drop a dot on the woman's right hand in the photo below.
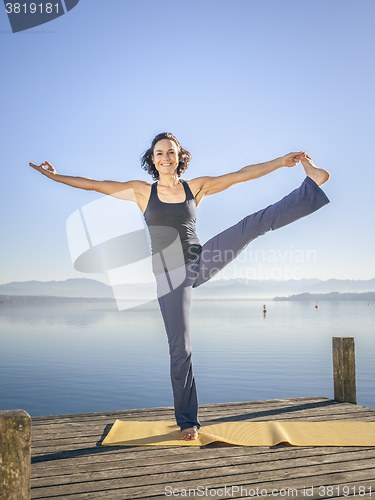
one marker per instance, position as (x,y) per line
(44,168)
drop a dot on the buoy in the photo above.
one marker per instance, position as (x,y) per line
(316,306)
(264,309)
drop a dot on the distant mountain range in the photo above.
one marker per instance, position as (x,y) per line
(47,299)
(234,288)
(76,287)
(259,289)
(365,296)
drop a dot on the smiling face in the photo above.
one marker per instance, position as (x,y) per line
(165,156)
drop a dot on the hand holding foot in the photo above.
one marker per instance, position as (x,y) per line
(291,159)
(190,433)
(318,175)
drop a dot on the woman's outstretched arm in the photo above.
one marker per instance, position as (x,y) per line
(131,190)
(204,186)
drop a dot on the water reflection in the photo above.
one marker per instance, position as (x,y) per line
(73,358)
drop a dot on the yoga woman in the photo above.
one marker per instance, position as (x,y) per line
(179,262)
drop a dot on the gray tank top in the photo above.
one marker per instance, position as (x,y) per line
(172,228)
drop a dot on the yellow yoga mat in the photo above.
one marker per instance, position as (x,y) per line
(166,433)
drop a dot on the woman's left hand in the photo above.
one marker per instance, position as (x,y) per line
(291,159)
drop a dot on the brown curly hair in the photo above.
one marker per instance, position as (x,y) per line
(183,155)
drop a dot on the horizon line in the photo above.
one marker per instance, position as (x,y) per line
(210,281)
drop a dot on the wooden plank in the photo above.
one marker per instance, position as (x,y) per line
(223,410)
(151,456)
(209,469)
(209,466)
(144,412)
(250,412)
(210,456)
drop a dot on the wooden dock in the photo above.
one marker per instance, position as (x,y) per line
(68,461)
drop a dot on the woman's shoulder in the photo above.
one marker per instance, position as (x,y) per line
(139,183)
(196,184)
(142,187)
(141,192)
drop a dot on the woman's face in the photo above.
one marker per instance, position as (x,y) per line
(165,156)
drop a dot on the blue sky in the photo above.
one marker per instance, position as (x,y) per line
(237,81)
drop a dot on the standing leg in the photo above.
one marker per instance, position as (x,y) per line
(224,247)
(175,309)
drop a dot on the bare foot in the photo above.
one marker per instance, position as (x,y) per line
(190,433)
(318,175)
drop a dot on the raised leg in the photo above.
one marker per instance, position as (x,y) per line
(224,247)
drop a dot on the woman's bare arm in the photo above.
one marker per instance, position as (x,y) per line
(137,191)
(204,186)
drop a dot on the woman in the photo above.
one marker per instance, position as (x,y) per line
(180,263)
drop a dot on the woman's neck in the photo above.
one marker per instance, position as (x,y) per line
(168,180)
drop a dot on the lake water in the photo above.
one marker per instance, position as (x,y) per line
(78,358)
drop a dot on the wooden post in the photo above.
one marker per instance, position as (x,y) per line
(15,455)
(343,351)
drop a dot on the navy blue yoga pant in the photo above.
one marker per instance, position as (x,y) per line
(215,255)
